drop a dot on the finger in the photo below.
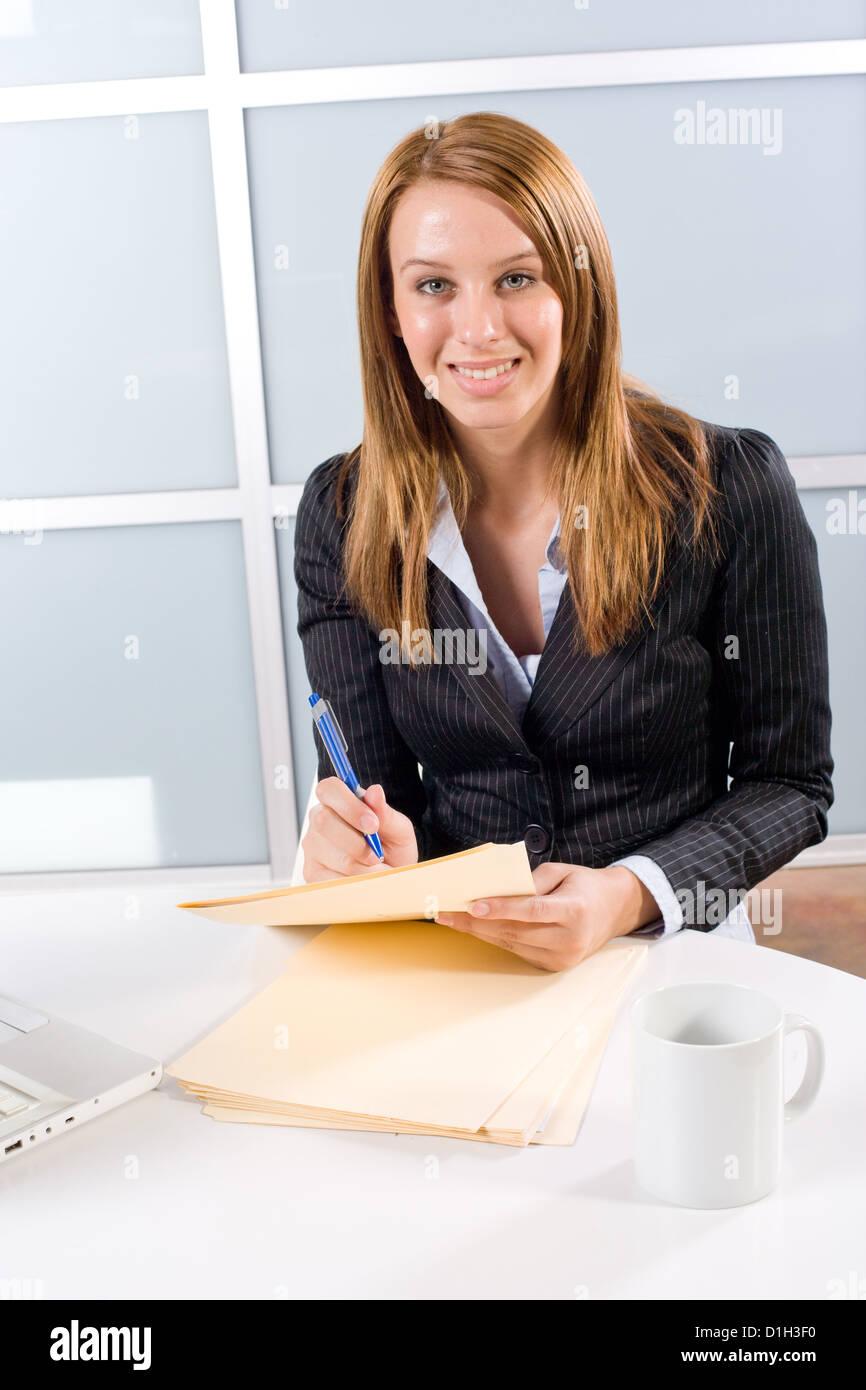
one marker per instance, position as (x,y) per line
(529,909)
(506,932)
(542,960)
(539,956)
(510,942)
(320,866)
(550,875)
(316,869)
(338,848)
(335,795)
(315,872)
(331,826)
(395,828)
(544,957)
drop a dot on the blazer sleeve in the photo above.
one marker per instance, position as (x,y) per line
(341,653)
(772,684)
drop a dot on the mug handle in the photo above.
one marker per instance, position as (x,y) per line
(812,1076)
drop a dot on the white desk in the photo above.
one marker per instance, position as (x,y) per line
(260,1212)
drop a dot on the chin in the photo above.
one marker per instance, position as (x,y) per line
(484,415)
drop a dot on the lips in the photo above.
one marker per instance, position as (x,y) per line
(482,384)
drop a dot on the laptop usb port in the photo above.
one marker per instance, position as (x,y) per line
(10,1147)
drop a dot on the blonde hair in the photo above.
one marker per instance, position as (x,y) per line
(622,458)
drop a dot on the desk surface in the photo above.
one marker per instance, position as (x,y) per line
(156,1200)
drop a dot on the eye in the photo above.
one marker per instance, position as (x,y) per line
(429,286)
(518,275)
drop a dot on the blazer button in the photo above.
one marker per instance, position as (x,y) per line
(536,839)
(527,764)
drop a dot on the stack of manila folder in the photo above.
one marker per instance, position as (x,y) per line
(391,1021)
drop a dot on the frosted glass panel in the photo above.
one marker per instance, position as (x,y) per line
(127,705)
(307,291)
(278,34)
(833,514)
(92,40)
(304,753)
(112,356)
(741,274)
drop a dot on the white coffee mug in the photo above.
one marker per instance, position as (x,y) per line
(708,1091)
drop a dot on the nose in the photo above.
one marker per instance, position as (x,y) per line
(478,316)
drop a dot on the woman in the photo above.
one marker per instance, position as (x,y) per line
(566,600)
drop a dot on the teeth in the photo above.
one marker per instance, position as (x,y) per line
(480,375)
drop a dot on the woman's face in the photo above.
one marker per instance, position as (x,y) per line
(470,292)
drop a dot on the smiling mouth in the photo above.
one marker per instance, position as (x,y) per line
(484,373)
(483,383)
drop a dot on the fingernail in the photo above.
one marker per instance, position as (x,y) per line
(444,917)
(479,909)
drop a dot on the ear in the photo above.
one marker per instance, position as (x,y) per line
(393,321)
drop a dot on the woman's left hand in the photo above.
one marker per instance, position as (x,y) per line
(574,912)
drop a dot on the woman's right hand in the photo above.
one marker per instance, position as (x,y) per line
(334,845)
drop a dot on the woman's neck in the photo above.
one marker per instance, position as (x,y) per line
(510,468)
(513,500)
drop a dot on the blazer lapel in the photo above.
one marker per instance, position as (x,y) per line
(447,612)
(566,683)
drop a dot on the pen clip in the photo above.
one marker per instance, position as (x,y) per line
(336,723)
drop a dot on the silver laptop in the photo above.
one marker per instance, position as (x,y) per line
(55,1076)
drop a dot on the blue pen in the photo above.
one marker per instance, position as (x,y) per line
(336,748)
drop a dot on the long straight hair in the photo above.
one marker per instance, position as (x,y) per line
(622,460)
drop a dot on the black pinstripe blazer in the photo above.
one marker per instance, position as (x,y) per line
(651,721)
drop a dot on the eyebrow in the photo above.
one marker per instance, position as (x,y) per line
(527,253)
